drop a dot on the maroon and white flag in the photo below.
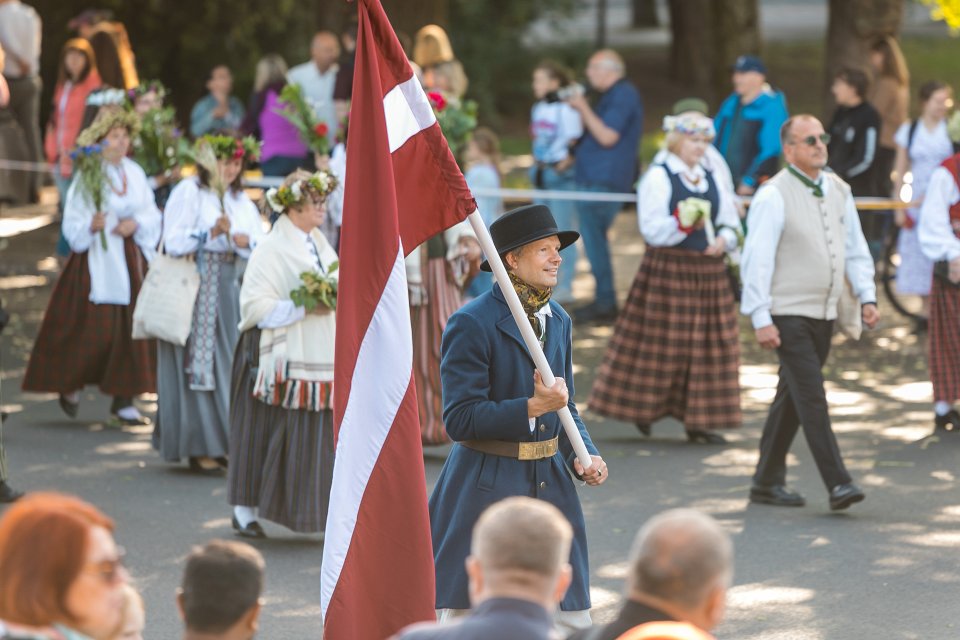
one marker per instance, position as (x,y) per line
(402,187)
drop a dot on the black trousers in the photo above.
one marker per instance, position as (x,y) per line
(800,400)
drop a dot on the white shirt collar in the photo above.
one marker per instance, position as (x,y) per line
(676,165)
(543,312)
(818,180)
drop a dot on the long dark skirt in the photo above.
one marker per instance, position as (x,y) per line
(945,341)
(197,423)
(675,350)
(83,343)
(281,460)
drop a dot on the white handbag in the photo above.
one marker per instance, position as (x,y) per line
(164,308)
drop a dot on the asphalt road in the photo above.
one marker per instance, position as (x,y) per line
(886,569)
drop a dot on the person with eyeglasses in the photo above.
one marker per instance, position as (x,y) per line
(806,268)
(63,573)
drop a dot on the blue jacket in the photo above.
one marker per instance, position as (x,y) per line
(748,135)
(487,377)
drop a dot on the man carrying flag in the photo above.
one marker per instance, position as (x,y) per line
(509,439)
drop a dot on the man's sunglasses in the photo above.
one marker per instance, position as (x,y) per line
(812,140)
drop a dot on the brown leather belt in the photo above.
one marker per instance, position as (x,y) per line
(515,450)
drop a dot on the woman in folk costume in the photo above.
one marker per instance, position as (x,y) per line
(193,381)
(86,333)
(675,350)
(281,417)
(939,235)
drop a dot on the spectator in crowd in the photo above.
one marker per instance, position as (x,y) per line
(318,78)
(606,160)
(680,567)
(748,125)
(555,128)
(890,96)
(518,570)
(85,336)
(854,136)
(922,145)
(675,350)
(482,159)
(20,39)
(113,84)
(804,243)
(441,71)
(219,597)
(193,381)
(13,184)
(854,132)
(343,88)
(939,236)
(283,151)
(63,574)
(218,111)
(76,80)
(133,619)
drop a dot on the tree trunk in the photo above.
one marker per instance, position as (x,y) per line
(853,24)
(708,35)
(644,14)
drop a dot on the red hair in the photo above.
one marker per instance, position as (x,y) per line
(43,547)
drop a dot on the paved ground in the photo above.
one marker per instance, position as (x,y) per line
(885,569)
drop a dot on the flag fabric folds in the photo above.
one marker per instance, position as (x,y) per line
(403,186)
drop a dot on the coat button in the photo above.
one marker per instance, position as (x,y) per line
(543,428)
(543,485)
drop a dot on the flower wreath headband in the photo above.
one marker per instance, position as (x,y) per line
(319,185)
(146,87)
(108,118)
(690,124)
(230,148)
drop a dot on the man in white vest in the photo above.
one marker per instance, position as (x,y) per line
(804,261)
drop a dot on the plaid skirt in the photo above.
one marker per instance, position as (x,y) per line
(83,343)
(945,341)
(429,321)
(675,350)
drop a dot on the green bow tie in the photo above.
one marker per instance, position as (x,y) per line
(816,187)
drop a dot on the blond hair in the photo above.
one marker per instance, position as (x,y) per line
(431,46)
(271,68)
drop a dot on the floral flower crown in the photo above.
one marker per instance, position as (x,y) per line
(109,117)
(146,87)
(230,148)
(690,124)
(319,185)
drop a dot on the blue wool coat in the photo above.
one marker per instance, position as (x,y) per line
(487,377)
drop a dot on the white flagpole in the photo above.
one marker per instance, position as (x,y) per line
(533,344)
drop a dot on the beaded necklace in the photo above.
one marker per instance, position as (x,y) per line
(123,181)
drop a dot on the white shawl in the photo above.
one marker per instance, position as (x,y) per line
(296,360)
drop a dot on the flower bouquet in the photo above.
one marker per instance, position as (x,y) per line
(317,289)
(691,211)
(92,178)
(160,147)
(457,119)
(298,112)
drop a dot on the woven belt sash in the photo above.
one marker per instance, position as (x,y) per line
(516,450)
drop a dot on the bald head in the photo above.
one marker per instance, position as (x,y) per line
(604,69)
(324,49)
(681,557)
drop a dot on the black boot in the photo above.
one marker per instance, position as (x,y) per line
(706,437)
(948,422)
(9,494)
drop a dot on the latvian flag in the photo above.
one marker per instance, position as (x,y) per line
(403,186)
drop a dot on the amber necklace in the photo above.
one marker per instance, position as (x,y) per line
(123,181)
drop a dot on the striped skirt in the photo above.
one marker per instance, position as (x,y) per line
(945,341)
(281,460)
(83,343)
(429,321)
(675,350)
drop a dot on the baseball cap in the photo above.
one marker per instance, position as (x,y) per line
(691,104)
(749,63)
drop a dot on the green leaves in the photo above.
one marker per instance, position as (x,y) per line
(317,289)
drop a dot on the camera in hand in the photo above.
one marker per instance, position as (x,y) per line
(564,93)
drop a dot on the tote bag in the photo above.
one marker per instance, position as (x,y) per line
(165,304)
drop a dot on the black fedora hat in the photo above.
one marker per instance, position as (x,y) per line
(523,226)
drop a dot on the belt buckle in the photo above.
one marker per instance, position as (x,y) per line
(536,450)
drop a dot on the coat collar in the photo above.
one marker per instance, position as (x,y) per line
(507,325)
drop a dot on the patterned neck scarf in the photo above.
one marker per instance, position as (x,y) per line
(816,187)
(532,299)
